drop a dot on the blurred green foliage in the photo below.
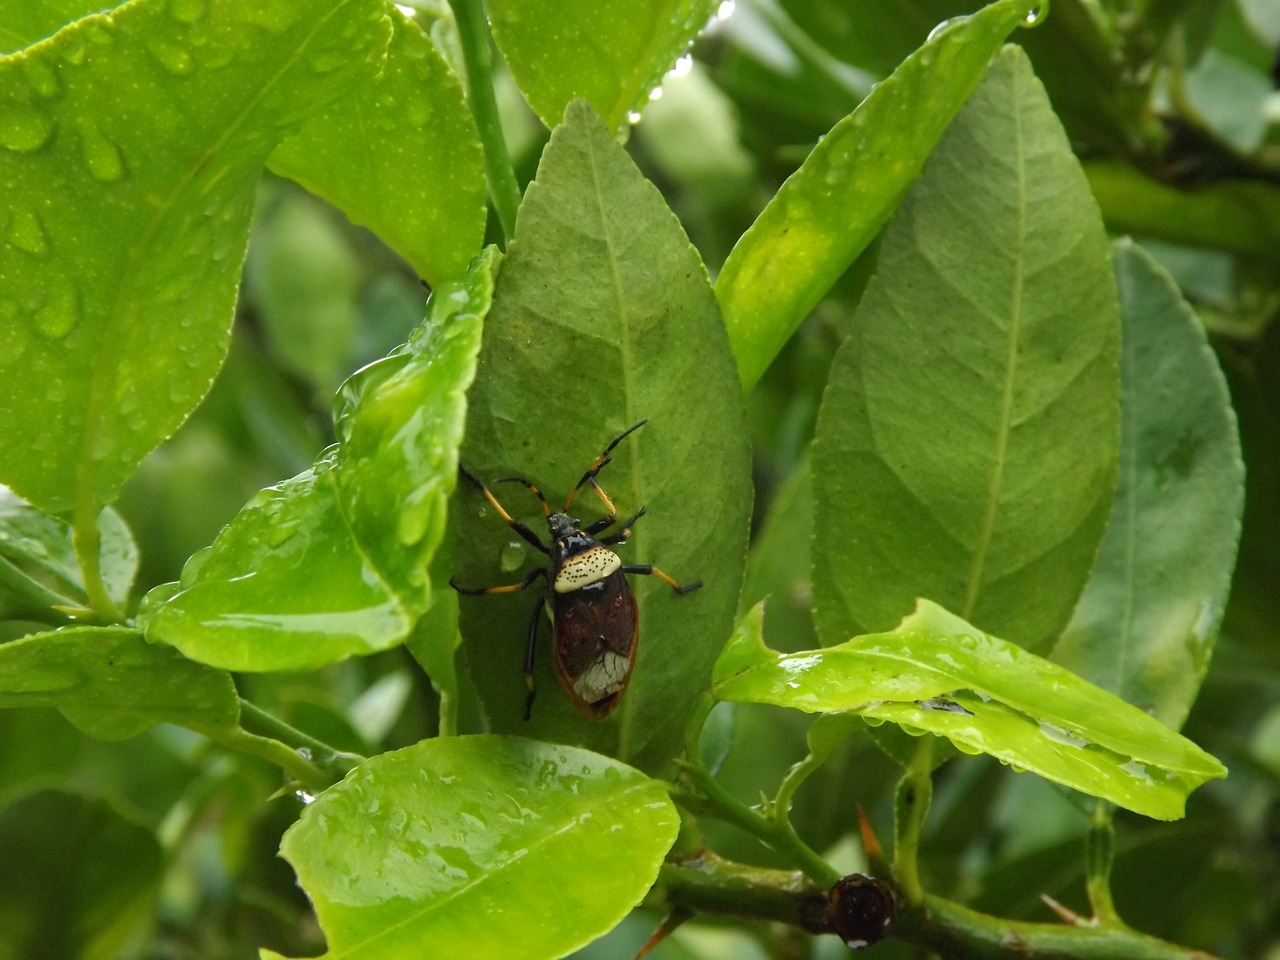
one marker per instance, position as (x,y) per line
(1171,107)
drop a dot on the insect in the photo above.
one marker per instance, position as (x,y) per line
(595,623)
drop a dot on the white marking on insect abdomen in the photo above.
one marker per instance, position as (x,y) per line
(590,566)
(607,675)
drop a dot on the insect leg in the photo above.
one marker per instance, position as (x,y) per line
(530,646)
(621,535)
(646,570)
(510,521)
(546,507)
(590,476)
(531,576)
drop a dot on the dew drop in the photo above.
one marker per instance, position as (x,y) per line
(41,77)
(633,117)
(655,93)
(187,11)
(13,336)
(60,312)
(512,556)
(943,27)
(27,233)
(173,57)
(23,129)
(73,48)
(1035,15)
(101,156)
(327,61)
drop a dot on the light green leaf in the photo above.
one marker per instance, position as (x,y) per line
(936,673)
(604,316)
(1145,626)
(334,561)
(38,565)
(130,143)
(479,846)
(966,447)
(401,156)
(609,52)
(112,684)
(834,205)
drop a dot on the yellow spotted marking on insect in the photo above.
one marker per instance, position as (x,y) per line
(607,675)
(590,566)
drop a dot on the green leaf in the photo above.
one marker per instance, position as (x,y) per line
(937,673)
(401,156)
(38,565)
(604,316)
(966,447)
(79,879)
(1145,626)
(610,53)
(112,684)
(834,205)
(479,846)
(333,562)
(115,323)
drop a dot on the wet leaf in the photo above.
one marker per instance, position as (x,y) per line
(935,673)
(834,205)
(38,565)
(400,155)
(966,447)
(112,684)
(609,53)
(112,326)
(333,562)
(603,316)
(479,846)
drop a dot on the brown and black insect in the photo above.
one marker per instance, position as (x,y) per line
(595,623)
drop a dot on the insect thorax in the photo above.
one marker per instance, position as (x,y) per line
(582,569)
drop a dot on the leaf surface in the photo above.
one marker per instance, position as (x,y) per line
(609,52)
(333,562)
(603,316)
(401,156)
(158,118)
(967,442)
(479,846)
(1145,626)
(834,205)
(112,684)
(938,674)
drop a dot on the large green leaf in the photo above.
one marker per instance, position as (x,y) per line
(401,156)
(609,52)
(966,446)
(130,143)
(479,846)
(937,673)
(38,565)
(333,562)
(112,684)
(831,208)
(603,316)
(1145,625)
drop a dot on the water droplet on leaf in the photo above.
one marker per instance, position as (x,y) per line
(101,156)
(60,312)
(23,129)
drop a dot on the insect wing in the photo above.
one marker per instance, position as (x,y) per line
(594,647)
